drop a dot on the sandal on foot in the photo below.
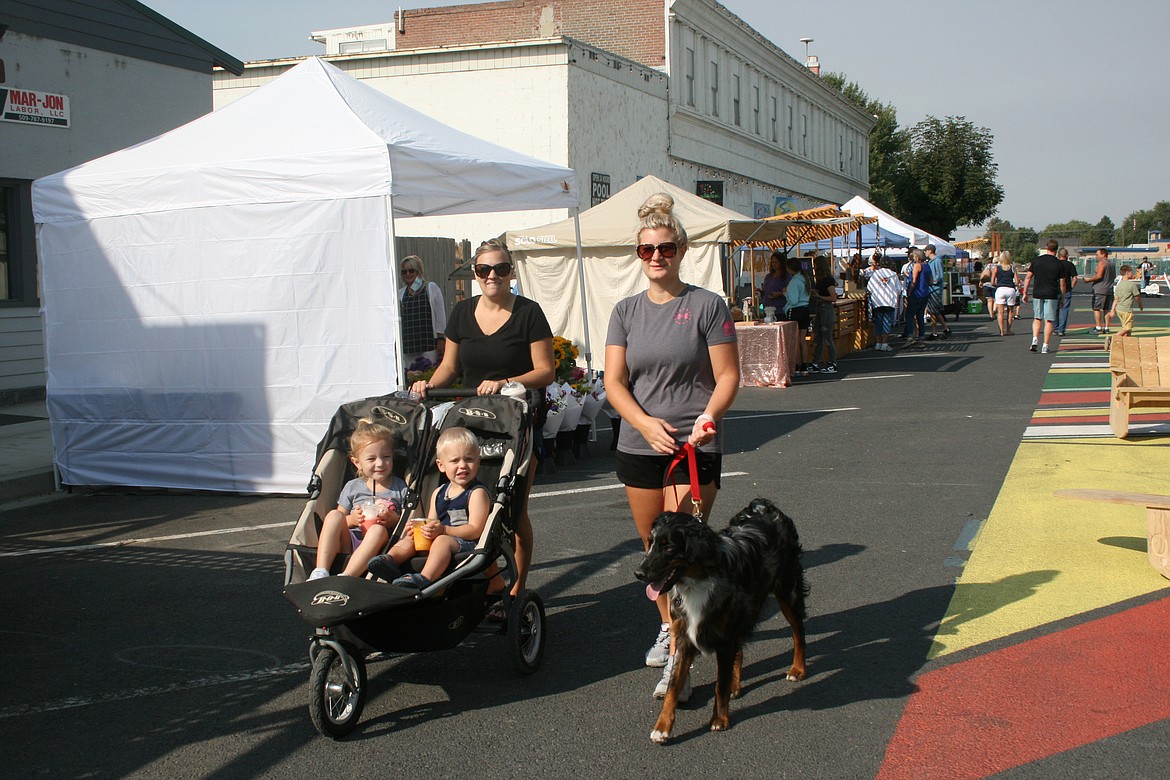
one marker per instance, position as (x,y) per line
(412,580)
(384,568)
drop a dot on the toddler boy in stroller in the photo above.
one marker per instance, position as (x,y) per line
(458,511)
(366,504)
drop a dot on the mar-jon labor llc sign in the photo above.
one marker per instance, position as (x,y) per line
(32,107)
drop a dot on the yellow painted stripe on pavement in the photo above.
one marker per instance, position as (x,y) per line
(1040,559)
(1096,411)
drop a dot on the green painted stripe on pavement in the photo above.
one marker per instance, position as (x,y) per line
(1077,380)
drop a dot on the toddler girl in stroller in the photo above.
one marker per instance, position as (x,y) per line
(366,504)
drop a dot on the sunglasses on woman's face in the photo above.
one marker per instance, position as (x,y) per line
(667,250)
(406,271)
(483,270)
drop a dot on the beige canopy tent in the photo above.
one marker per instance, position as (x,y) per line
(578,293)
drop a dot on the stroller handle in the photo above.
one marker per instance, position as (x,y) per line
(447,393)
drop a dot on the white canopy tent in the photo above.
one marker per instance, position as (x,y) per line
(213,294)
(916,236)
(578,295)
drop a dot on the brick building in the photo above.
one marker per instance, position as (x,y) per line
(681,89)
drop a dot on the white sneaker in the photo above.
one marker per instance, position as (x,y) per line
(659,652)
(317,574)
(664,684)
(1044,350)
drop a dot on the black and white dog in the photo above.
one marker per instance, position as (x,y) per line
(720,581)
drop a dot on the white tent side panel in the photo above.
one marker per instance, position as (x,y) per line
(202,348)
(611,274)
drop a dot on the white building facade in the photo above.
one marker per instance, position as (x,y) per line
(686,91)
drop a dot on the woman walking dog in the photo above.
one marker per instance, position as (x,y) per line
(671,372)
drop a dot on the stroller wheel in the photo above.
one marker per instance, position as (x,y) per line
(526,632)
(336,696)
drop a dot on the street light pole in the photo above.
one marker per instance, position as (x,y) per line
(806,42)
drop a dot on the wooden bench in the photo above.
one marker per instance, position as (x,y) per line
(1157,519)
(1140,369)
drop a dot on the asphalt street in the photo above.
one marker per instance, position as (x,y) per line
(146,634)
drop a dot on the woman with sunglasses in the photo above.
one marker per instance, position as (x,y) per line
(671,372)
(424,314)
(496,338)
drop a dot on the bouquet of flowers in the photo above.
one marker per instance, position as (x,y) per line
(557,404)
(573,405)
(592,390)
(565,356)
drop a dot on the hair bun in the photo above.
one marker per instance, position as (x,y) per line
(658,203)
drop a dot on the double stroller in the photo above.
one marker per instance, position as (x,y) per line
(355,617)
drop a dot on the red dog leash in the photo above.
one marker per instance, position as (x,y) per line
(687,453)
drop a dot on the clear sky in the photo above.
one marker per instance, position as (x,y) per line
(1072,90)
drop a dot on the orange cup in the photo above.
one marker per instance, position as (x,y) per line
(420,542)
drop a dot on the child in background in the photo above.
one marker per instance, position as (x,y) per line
(347,528)
(458,513)
(1124,295)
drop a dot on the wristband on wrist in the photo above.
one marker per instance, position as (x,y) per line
(706,417)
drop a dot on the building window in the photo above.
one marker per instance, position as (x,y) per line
(790,116)
(841,153)
(756,110)
(804,134)
(357,47)
(735,100)
(775,120)
(715,89)
(689,65)
(17,252)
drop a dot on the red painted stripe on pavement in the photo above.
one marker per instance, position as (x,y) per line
(1083,398)
(1036,699)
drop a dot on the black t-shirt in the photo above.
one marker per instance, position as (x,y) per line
(504,354)
(824,285)
(1046,274)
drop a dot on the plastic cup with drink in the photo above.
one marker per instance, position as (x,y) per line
(420,542)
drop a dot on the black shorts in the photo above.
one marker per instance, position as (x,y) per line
(800,316)
(649,471)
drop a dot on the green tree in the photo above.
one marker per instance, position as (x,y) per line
(1135,228)
(1076,229)
(1020,241)
(888,144)
(1100,235)
(951,164)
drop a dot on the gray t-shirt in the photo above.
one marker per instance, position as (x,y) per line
(666,354)
(357,489)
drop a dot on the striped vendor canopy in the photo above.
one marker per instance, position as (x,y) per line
(816,224)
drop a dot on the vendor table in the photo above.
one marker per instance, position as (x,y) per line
(767,353)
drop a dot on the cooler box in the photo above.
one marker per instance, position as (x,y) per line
(974,306)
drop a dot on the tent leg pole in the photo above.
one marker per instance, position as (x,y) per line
(399,375)
(581,285)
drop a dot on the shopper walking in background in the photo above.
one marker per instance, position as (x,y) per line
(423,313)
(884,291)
(1047,285)
(826,316)
(1007,283)
(1124,297)
(1102,285)
(917,295)
(934,305)
(1069,274)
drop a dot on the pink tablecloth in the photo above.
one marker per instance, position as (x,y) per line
(767,354)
